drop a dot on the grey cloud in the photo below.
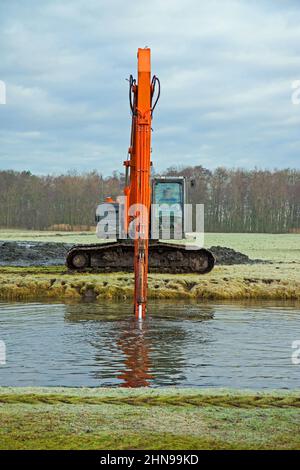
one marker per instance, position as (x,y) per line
(226,69)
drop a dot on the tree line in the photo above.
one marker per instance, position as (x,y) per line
(235,200)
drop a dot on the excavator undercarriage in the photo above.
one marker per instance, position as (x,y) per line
(118,256)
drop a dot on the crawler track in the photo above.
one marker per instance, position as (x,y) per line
(118,256)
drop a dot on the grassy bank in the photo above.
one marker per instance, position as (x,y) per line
(269,282)
(277,280)
(55,418)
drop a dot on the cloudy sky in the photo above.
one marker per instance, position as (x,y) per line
(226,68)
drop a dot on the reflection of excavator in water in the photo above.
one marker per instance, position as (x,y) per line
(136,370)
(141,213)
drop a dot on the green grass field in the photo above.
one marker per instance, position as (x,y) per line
(275,247)
(52,418)
(44,236)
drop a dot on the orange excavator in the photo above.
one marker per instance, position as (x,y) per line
(148,210)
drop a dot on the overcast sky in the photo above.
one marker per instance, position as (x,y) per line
(226,69)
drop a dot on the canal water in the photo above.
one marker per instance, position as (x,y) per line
(246,345)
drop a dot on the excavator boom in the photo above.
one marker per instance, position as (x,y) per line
(132,248)
(140,189)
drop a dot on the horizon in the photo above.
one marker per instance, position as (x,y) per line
(164,171)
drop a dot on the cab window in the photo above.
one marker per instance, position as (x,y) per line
(168,193)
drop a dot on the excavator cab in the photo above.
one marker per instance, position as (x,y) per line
(168,208)
(167,216)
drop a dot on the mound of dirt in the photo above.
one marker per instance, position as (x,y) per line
(228,256)
(33,253)
(53,254)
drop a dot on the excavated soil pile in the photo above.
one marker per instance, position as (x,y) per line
(53,254)
(227,256)
(33,253)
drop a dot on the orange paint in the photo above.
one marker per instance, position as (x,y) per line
(138,190)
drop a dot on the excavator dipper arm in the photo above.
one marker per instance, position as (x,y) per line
(134,249)
(140,190)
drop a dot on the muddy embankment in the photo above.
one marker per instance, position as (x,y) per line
(32,253)
(27,254)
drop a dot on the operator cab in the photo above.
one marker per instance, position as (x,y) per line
(167,214)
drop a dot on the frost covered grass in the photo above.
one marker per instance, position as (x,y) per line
(266,246)
(61,418)
(47,236)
